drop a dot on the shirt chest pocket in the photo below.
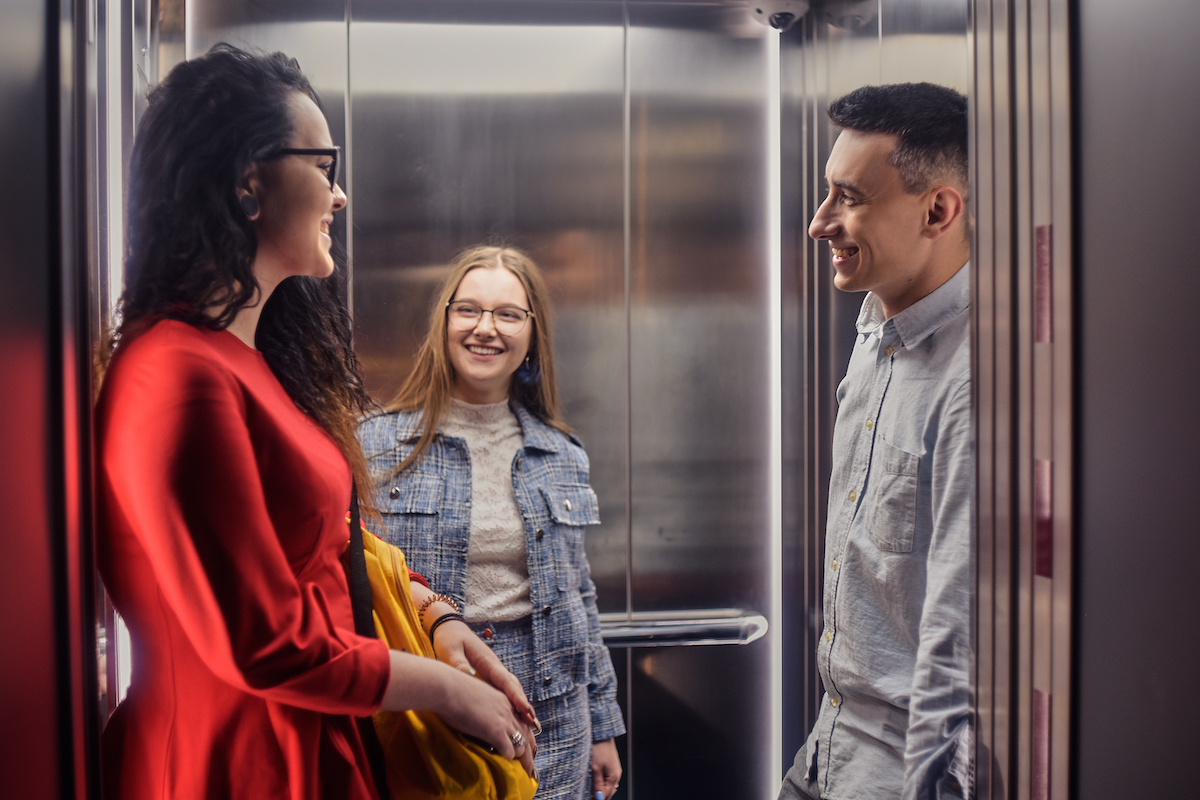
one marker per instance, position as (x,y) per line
(411,507)
(892,507)
(571,507)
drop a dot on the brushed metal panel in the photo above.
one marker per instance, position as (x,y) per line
(698,403)
(698,375)
(464,132)
(924,40)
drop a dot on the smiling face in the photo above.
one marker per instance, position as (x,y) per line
(878,232)
(295,202)
(484,360)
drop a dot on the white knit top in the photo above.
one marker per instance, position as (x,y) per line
(497,564)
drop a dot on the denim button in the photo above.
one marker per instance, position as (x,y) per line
(394,493)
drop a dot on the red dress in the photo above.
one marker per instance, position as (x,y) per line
(223,517)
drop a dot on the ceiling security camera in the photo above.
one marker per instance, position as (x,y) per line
(779,14)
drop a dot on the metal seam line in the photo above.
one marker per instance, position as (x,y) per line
(775,394)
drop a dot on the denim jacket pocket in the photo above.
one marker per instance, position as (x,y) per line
(571,506)
(893,499)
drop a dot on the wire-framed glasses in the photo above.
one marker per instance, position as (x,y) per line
(464,315)
(331,169)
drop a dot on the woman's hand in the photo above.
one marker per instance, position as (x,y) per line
(463,702)
(606,767)
(457,645)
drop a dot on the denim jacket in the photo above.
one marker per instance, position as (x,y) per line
(427,513)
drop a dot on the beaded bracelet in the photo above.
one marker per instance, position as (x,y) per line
(440,620)
(433,598)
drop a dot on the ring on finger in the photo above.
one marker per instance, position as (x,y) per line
(517,739)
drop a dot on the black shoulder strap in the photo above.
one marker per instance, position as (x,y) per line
(364,625)
(360,587)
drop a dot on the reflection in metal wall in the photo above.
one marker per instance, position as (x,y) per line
(625,154)
(451,147)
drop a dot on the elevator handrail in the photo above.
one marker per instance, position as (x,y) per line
(682,628)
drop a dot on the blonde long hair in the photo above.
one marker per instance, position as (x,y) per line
(429,384)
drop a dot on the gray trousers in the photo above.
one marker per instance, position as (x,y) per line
(796,785)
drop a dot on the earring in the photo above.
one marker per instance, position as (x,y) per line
(249,204)
(528,373)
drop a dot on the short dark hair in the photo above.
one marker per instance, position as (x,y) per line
(930,121)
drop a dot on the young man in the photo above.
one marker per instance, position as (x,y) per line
(894,655)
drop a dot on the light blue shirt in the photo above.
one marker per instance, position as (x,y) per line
(895,651)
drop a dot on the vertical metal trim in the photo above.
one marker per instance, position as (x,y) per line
(774,267)
(627,244)
(348,215)
(1043,517)
(1040,778)
(1024,397)
(1043,286)
(1063,390)
(627,222)
(1025,400)
(979,144)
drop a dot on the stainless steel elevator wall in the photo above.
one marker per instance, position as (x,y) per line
(552,126)
(622,144)
(467,131)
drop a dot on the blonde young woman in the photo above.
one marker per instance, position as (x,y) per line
(486,490)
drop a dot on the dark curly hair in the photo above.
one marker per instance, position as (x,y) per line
(190,249)
(929,120)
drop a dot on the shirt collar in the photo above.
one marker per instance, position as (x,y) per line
(915,323)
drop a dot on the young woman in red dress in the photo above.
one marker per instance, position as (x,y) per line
(226,447)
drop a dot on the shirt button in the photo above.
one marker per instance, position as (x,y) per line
(853,495)
(888,350)
(547,681)
(870,424)
(488,633)
(394,493)
(829,636)
(834,565)
(833,701)
(567,504)
(546,611)
(540,534)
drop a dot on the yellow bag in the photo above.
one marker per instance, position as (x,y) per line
(425,757)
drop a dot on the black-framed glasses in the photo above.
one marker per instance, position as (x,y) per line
(335,153)
(464,315)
